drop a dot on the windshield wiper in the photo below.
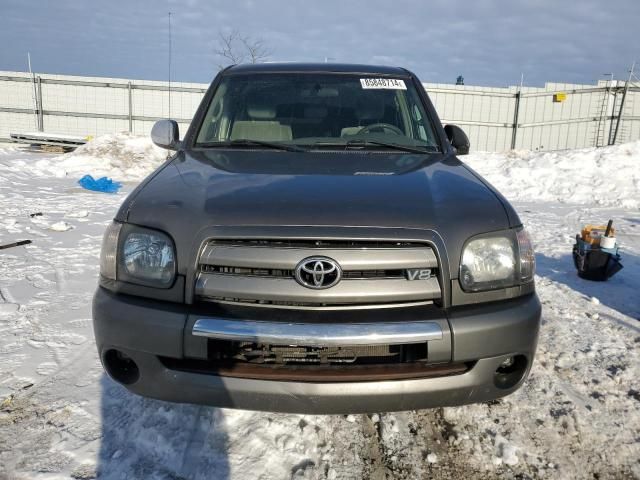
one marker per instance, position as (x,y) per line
(245,142)
(368,143)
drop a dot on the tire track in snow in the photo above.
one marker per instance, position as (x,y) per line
(70,368)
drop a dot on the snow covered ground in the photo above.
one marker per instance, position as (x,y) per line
(578,416)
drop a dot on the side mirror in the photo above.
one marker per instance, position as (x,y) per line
(166,134)
(458,139)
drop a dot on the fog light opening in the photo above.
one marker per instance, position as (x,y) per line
(510,371)
(506,365)
(121,367)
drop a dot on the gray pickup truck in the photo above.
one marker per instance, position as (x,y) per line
(314,245)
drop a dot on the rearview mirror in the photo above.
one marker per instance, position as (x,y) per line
(458,139)
(166,134)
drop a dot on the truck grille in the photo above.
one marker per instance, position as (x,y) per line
(255,353)
(263,272)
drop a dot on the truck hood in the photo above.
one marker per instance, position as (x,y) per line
(322,190)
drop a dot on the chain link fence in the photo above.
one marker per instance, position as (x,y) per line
(554,117)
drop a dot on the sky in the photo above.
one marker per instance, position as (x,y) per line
(489,42)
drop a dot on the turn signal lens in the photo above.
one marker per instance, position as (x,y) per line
(527,256)
(109,252)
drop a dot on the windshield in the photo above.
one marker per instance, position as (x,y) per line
(316,111)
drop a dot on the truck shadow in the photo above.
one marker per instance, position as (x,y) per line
(146,438)
(618,293)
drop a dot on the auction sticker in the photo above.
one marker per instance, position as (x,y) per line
(384,83)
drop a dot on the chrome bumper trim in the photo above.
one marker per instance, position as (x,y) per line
(317,334)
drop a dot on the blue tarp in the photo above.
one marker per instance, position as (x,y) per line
(102,184)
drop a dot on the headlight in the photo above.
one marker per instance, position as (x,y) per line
(138,255)
(497,260)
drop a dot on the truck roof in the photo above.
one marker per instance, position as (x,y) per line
(317,67)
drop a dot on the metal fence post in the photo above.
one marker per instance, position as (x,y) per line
(612,117)
(130,109)
(514,134)
(40,106)
(624,97)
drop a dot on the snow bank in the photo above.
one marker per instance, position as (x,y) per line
(121,156)
(608,176)
(593,176)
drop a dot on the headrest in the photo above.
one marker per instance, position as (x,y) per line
(261,111)
(261,107)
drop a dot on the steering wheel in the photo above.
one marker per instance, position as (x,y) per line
(381,127)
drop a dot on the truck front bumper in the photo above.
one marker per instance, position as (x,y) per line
(480,336)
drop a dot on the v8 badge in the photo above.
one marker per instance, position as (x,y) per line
(418,273)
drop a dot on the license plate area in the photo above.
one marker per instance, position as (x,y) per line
(230,352)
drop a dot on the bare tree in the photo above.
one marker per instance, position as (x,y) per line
(235,48)
(256,49)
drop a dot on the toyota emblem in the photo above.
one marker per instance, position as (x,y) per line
(318,272)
